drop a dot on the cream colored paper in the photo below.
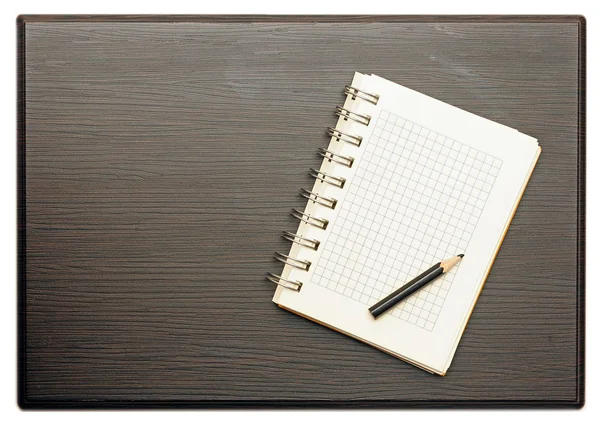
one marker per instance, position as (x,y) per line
(428,181)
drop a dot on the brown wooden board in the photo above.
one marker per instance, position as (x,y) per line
(158,159)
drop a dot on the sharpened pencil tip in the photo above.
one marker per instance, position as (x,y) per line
(461,255)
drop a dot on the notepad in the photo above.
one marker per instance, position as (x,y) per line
(406,181)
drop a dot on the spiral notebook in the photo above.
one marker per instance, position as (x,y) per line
(406,181)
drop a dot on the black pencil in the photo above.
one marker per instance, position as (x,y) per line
(413,285)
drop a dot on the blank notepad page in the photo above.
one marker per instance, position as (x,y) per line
(415,199)
(428,181)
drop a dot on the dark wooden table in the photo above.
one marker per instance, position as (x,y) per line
(158,160)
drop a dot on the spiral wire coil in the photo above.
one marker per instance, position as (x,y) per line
(319,199)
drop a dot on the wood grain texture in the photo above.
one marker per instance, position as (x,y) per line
(158,161)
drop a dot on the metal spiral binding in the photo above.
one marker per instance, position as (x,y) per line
(308,219)
(347,114)
(357,93)
(300,264)
(336,181)
(348,138)
(335,157)
(300,240)
(319,199)
(278,279)
(322,223)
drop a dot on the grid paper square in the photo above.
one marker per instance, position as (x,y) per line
(416,198)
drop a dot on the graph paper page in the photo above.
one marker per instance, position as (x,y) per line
(429,182)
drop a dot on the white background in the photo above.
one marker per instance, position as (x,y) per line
(12,418)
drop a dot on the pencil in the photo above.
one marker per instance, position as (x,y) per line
(413,285)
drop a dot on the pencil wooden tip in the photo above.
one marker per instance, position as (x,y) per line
(461,255)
